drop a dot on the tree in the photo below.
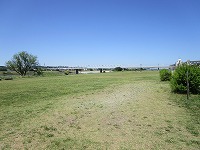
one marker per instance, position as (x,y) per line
(22,62)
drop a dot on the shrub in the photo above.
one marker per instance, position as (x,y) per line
(6,73)
(3,68)
(179,79)
(67,72)
(165,75)
(91,69)
(38,72)
(8,78)
(118,69)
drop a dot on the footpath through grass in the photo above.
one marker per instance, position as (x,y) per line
(127,110)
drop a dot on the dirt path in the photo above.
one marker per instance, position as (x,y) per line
(132,116)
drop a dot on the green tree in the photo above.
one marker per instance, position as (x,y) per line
(22,62)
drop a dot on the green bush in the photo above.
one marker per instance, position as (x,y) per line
(38,72)
(8,78)
(165,75)
(67,72)
(118,69)
(2,68)
(179,79)
(7,73)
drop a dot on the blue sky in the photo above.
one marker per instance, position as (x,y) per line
(101,32)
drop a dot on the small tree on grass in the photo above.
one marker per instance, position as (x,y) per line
(22,62)
(165,75)
(179,79)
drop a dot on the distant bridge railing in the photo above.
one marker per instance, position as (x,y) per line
(104,68)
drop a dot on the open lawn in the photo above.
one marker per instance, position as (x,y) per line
(119,110)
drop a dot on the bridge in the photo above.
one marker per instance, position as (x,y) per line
(151,67)
(104,68)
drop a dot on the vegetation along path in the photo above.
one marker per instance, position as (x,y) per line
(118,111)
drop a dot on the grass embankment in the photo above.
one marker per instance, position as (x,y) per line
(127,110)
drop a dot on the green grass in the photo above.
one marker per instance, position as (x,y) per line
(193,108)
(119,110)
(23,98)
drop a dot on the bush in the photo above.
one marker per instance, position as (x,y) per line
(5,73)
(38,72)
(8,78)
(67,72)
(165,75)
(179,79)
(2,68)
(118,69)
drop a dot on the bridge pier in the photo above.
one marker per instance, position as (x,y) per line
(76,71)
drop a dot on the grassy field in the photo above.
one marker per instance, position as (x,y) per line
(120,110)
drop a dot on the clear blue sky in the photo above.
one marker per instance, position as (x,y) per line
(101,32)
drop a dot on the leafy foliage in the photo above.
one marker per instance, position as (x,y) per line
(179,79)
(165,75)
(3,68)
(22,63)
(38,71)
(118,69)
(67,72)
(8,78)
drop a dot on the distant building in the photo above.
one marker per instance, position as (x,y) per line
(172,67)
(179,62)
(194,62)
